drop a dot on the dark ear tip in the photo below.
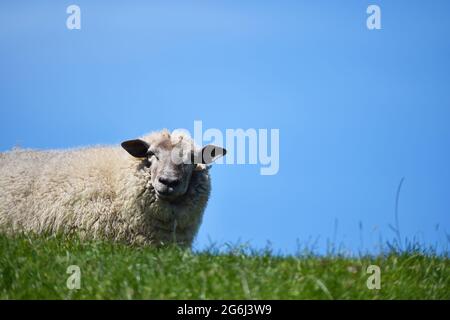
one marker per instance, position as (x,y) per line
(126,143)
(224,151)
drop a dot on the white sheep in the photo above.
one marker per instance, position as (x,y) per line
(150,197)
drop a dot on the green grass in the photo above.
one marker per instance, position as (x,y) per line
(34,267)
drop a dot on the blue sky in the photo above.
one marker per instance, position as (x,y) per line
(357,109)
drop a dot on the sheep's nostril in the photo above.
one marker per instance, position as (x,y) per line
(170,182)
(164,181)
(174,183)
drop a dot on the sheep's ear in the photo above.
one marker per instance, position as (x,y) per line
(137,148)
(211,153)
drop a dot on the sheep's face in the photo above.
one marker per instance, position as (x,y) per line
(172,165)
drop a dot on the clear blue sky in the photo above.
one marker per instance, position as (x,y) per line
(357,109)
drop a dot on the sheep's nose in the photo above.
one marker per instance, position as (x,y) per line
(170,182)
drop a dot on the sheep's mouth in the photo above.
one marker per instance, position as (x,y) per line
(166,195)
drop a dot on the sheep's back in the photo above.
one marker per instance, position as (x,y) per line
(57,190)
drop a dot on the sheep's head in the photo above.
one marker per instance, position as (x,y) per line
(172,163)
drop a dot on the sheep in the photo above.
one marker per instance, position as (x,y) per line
(152,191)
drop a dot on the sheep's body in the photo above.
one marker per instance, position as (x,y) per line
(98,192)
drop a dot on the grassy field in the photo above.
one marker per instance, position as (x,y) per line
(34,267)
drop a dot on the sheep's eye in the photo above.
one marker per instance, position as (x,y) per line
(150,154)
